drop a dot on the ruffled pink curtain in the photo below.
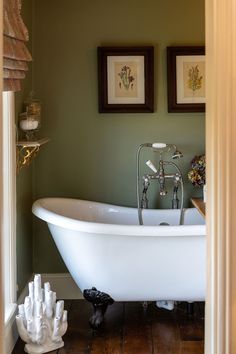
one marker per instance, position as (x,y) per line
(15,53)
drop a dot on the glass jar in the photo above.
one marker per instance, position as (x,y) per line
(29,124)
(33,106)
(30,119)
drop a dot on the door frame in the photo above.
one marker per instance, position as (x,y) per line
(2,350)
(220,316)
(221,176)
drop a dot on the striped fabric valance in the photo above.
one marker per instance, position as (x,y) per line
(15,52)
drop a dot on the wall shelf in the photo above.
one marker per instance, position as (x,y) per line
(200,205)
(27,150)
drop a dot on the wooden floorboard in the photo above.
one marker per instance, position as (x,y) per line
(137,335)
(109,338)
(129,328)
(78,336)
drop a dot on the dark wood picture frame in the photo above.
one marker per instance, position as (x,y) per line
(172,54)
(143,80)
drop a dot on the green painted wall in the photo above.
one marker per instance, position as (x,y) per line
(92,155)
(24,179)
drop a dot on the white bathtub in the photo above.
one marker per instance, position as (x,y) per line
(104,247)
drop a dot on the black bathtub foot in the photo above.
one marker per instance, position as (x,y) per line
(100,301)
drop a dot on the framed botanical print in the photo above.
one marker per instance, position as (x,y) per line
(186,79)
(125,79)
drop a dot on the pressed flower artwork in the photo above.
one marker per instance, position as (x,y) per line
(194,79)
(126,79)
(186,79)
(190,79)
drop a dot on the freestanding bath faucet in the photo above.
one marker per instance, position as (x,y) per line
(161,176)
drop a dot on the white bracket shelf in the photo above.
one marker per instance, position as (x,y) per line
(27,150)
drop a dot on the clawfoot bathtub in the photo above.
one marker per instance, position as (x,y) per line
(104,247)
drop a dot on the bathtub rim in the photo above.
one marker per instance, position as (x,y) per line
(39,209)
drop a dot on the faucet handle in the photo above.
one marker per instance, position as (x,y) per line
(151,166)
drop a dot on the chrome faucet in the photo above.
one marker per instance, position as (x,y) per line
(160,175)
(161,178)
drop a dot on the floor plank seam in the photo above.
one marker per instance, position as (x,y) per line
(122,330)
(152,330)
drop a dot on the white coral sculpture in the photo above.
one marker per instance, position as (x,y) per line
(41,321)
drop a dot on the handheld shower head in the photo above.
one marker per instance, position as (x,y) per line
(159,145)
(163,147)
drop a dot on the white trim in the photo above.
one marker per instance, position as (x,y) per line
(11,333)
(9,201)
(2,349)
(220,326)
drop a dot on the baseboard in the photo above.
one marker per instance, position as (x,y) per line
(61,283)
(11,332)
(64,285)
